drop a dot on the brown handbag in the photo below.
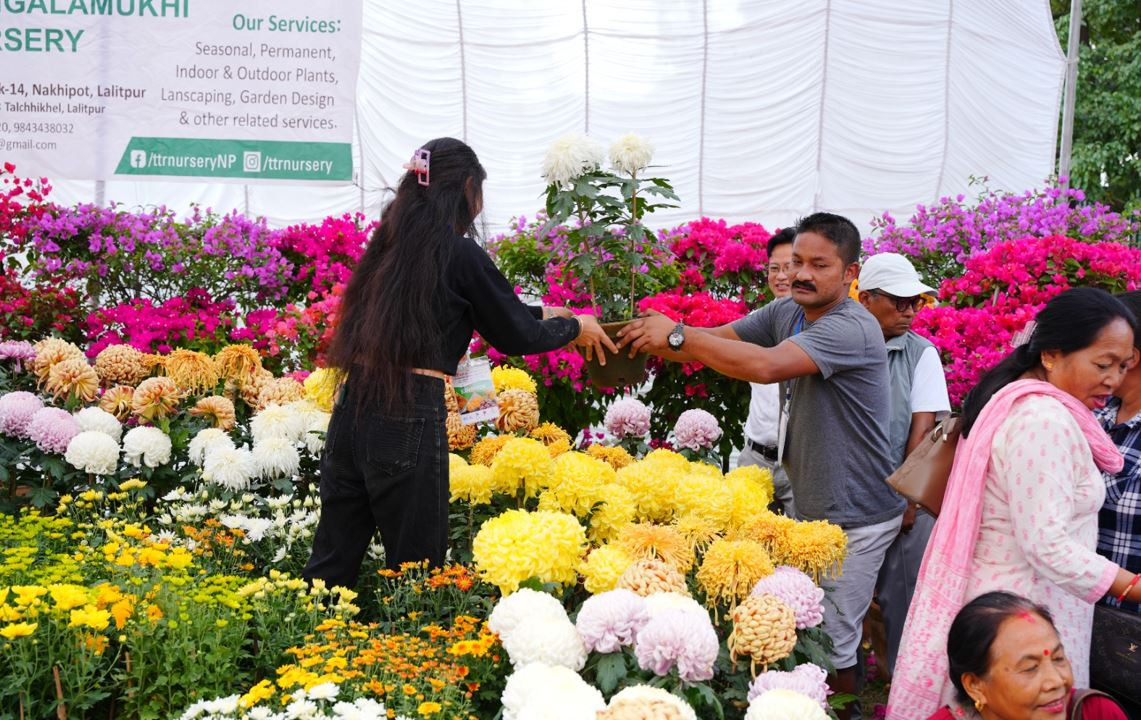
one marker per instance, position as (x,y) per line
(922,478)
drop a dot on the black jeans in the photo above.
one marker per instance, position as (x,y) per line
(386,472)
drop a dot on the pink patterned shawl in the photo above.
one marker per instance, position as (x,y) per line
(943,577)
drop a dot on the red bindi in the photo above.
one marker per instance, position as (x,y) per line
(1046,652)
(1028,617)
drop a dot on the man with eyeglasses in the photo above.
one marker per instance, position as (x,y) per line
(890,289)
(762,425)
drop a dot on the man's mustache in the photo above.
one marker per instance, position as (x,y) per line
(804,286)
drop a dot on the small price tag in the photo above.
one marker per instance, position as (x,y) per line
(475,392)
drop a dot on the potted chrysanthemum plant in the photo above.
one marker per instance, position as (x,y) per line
(604,247)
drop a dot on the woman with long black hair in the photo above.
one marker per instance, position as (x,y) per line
(406,320)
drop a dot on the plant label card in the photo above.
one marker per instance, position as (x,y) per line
(475,392)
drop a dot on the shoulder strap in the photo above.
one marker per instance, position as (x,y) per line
(1079,697)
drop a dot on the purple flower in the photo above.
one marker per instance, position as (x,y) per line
(628,417)
(806,679)
(16,410)
(680,638)
(696,430)
(609,620)
(51,429)
(795,589)
(19,350)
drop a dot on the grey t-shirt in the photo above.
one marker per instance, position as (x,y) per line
(837,451)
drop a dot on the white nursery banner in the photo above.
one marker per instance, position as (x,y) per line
(165,89)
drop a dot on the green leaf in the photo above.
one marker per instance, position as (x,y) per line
(610,671)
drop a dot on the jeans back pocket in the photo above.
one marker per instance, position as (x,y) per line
(392,444)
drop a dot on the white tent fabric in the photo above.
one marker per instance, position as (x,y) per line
(759,109)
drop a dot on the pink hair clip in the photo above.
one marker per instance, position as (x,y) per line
(420,164)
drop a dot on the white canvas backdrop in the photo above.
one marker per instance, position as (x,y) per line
(759,109)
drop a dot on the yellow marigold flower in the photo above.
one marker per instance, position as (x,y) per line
(73,378)
(50,351)
(644,541)
(193,371)
(132,484)
(67,597)
(262,691)
(155,398)
(518,411)
(603,567)
(460,436)
(321,387)
(471,483)
(522,462)
(817,547)
(18,630)
(616,511)
(577,482)
(278,391)
(551,434)
(616,456)
(237,363)
(486,449)
(730,569)
(654,487)
(428,708)
(120,364)
(518,545)
(91,617)
(218,410)
(506,377)
(646,577)
(117,401)
(764,628)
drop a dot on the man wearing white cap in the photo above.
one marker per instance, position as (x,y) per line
(890,289)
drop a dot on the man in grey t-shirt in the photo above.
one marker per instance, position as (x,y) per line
(828,354)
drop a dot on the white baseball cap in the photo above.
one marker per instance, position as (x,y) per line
(892,273)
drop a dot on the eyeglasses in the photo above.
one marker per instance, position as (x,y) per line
(775,269)
(916,303)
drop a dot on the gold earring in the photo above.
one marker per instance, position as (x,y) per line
(1048,367)
(979,704)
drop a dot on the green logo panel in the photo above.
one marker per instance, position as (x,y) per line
(248,159)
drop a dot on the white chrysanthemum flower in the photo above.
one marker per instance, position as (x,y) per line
(523,604)
(781,704)
(231,468)
(360,709)
(211,708)
(659,602)
(93,452)
(639,694)
(204,441)
(261,712)
(254,528)
(302,709)
(631,153)
(99,420)
(146,445)
(571,156)
(276,457)
(323,691)
(542,640)
(535,683)
(279,421)
(315,435)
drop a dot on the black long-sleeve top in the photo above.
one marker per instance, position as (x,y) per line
(474,295)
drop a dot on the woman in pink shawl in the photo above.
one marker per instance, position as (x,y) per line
(1020,511)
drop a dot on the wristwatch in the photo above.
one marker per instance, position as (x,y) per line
(677,337)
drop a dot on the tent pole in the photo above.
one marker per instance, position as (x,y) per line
(100,192)
(1068,102)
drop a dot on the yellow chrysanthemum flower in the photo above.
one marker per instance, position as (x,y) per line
(192,371)
(321,387)
(68,597)
(699,531)
(704,496)
(73,378)
(120,364)
(486,449)
(218,410)
(646,577)
(764,527)
(506,377)
(460,436)
(518,411)
(50,351)
(471,483)
(705,470)
(617,509)
(817,547)
(262,691)
(117,401)
(748,497)
(643,541)
(551,434)
(91,617)
(730,569)
(518,545)
(577,482)
(18,630)
(155,398)
(237,363)
(668,458)
(653,485)
(522,463)
(603,567)
(616,456)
